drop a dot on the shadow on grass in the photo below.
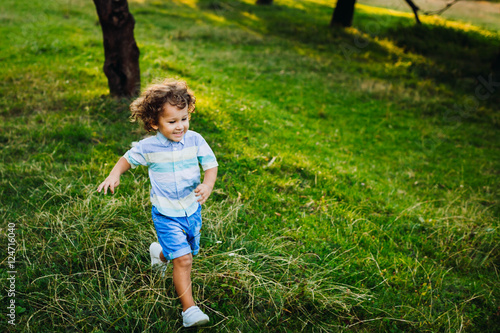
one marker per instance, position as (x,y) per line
(458,53)
(307,23)
(453,53)
(442,60)
(458,59)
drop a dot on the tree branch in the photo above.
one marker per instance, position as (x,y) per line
(442,10)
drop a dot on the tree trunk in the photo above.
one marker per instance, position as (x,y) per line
(121,64)
(415,10)
(264,2)
(343,13)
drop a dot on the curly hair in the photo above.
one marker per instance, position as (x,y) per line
(149,106)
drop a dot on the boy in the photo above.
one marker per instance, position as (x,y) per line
(172,158)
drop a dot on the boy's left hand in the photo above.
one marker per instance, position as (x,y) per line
(203,191)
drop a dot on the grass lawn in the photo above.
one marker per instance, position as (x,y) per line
(358,178)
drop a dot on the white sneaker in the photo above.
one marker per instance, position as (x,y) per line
(194,317)
(154,252)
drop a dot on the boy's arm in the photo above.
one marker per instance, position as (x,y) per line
(204,190)
(113,179)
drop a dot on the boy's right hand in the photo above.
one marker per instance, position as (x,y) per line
(111,182)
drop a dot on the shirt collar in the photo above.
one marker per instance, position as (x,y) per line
(164,140)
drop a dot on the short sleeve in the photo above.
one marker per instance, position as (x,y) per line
(206,156)
(135,155)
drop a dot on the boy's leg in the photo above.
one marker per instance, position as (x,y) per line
(162,257)
(191,314)
(182,280)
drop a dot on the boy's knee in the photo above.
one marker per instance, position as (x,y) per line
(184,261)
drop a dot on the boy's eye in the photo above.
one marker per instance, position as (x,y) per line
(184,119)
(171,122)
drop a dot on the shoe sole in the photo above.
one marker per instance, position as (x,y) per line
(198,323)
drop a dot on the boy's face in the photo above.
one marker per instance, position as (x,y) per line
(173,123)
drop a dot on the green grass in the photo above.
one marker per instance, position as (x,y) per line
(358,178)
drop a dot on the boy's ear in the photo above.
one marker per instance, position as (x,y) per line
(154,126)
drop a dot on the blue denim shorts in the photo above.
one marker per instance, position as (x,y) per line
(178,236)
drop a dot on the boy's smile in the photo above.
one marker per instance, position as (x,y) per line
(173,123)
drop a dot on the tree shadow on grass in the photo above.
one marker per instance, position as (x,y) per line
(439,55)
(305,23)
(457,58)
(457,53)
(453,53)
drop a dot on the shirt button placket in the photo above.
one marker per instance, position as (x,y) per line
(177,185)
(175,172)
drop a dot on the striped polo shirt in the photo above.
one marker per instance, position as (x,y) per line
(173,169)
